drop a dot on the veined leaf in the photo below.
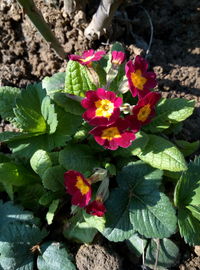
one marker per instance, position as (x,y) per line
(53,178)
(8,97)
(76,80)
(78,157)
(170,111)
(40,162)
(136,244)
(187,148)
(54,83)
(162,154)
(28,109)
(166,251)
(54,256)
(51,212)
(49,114)
(187,200)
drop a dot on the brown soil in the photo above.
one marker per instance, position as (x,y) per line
(174,56)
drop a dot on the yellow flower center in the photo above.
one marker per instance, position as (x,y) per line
(104,107)
(110,133)
(87,58)
(138,80)
(144,113)
(84,189)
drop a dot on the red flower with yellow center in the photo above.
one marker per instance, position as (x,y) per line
(118,58)
(96,208)
(88,57)
(78,186)
(114,135)
(140,81)
(102,107)
(144,111)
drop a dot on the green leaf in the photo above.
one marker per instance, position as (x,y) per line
(149,209)
(136,244)
(187,198)
(189,227)
(187,148)
(47,198)
(54,83)
(162,154)
(54,256)
(79,230)
(51,212)
(53,178)
(16,242)
(49,114)
(94,221)
(15,174)
(117,46)
(168,254)
(76,80)
(136,147)
(40,162)
(28,109)
(78,157)
(170,111)
(118,226)
(11,213)
(8,97)
(68,104)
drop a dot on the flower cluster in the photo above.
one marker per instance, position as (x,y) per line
(80,189)
(104,107)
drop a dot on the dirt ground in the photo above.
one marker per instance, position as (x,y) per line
(174,56)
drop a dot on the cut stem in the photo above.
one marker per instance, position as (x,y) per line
(37,19)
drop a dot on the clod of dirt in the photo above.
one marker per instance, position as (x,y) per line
(193,264)
(96,257)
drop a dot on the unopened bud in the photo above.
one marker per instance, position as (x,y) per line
(125,108)
(103,190)
(99,175)
(123,87)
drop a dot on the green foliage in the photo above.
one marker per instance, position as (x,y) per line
(138,205)
(136,244)
(166,251)
(40,162)
(187,148)
(8,97)
(78,157)
(170,111)
(187,198)
(54,83)
(77,81)
(162,154)
(51,212)
(54,256)
(53,180)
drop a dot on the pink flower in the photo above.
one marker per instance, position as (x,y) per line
(144,110)
(114,135)
(140,81)
(118,57)
(96,208)
(102,107)
(88,57)
(78,186)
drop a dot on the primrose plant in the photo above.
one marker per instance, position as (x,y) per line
(96,149)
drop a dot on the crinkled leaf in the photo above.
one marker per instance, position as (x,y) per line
(54,256)
(168,254)
(40,161)
(15,174)
(94,221)
(79,230)
(51,212)
(187,198)
(118,226)
(170,111)
(49,114)
(76,80)
(136,244)
(78,157)
(28,109)
(8,97)
(53,178)
(149,209)
(11,213)
(68,104)
(54,83)
(162,154)
(187,148)
(16,242)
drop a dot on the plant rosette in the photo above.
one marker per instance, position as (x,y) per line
(94,143)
